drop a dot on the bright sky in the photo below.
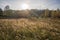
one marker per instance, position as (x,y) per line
(30,4)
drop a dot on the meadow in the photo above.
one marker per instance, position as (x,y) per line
(30,29)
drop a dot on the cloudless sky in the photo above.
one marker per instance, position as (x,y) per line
(33,4)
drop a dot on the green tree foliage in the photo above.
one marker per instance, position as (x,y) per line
(58,13)
(1,12)
(55,13)
(29,13)
(46,12)
(7,11)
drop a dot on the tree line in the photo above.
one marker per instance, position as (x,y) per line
(9,13)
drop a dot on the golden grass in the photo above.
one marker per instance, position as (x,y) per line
(30,29)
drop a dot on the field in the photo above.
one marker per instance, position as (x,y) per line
(30,29)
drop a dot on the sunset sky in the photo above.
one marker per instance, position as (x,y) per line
(30,4)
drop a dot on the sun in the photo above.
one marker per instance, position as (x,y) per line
(25,6)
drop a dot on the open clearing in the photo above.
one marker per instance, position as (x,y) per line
(30,29)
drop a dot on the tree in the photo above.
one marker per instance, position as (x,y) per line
(7,10)
(58,13)
(7,7)
(47,13)
(1,12)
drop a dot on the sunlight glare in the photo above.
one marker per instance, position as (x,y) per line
(25,6)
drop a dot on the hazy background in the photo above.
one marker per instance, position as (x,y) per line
(33,4)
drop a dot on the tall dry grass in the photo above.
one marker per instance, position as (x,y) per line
(30,29)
